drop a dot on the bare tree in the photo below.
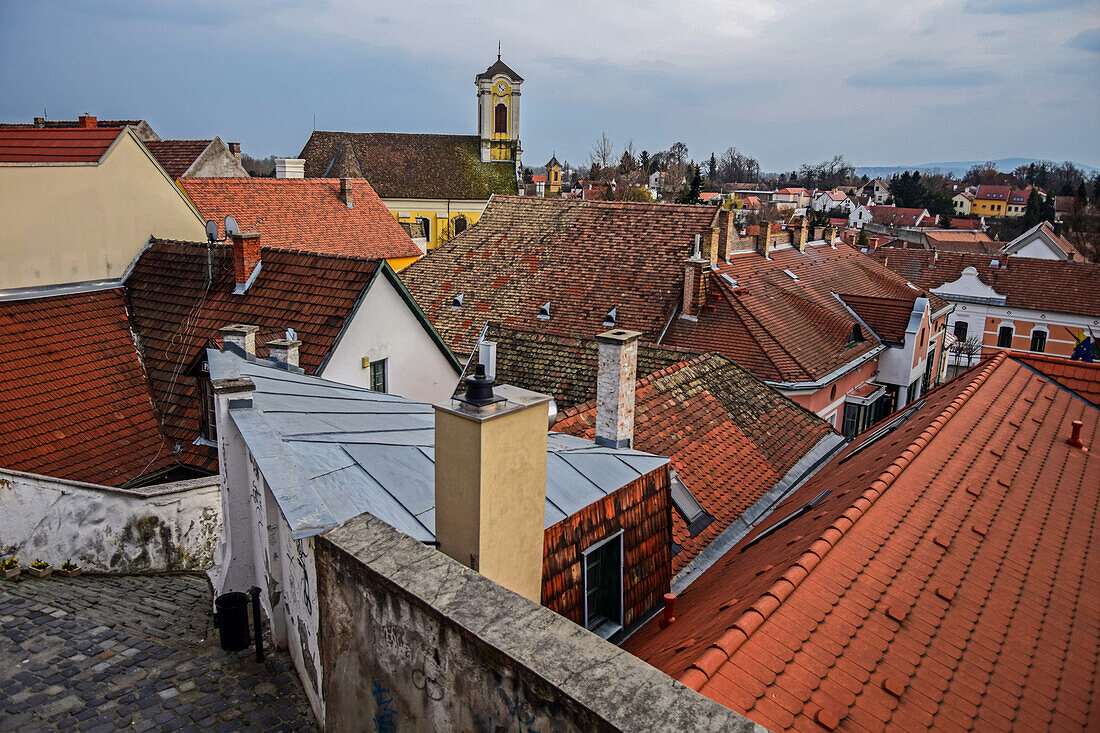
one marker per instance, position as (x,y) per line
(602,152)
(968,349)
(678,153)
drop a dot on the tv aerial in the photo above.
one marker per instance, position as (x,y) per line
(230,229)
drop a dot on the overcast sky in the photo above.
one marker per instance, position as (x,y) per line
(793,81)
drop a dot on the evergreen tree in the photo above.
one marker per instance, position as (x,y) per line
(862,242)
(644,161)
(1033,212)
(712,167)
(1082,193)
(692,186)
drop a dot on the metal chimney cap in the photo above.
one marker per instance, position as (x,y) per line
(479,389)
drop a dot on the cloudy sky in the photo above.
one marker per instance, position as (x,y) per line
(792,81)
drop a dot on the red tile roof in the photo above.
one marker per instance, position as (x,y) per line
(1043,285)
(175,316)
(897,216)
(961,241)
(1082,378)
(997,193)
(55,145)
(730,437)
(943,580)
(786,330)
(306,214)
(887,317)
(74,402)
(176,156)
(966,224)
(583,257)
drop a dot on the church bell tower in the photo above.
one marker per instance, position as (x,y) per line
(498,113)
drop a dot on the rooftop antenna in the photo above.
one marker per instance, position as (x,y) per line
(498,50)
(231,227)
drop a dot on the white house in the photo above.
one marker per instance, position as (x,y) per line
(1044,242)
(832,201)
(961,202)
(875,190)
(860,215)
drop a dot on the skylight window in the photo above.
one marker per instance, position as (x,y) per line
(805,508)
(887,428)
(730,280)
(544,312)
(456,302)
(609,319)
(688,507)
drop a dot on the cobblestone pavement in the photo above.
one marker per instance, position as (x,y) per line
(138,653)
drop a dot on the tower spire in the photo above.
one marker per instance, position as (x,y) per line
(498,50)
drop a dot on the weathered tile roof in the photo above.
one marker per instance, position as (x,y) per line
(999,193)
(887,317)
(405,165)
(583,257)
(563,367)
(961,241)
(1043,285)
(940,579)
(730,437)
(74,402)
(897,216)
(306,214)
(176,156)
(787,330)
(62,145)
(175,316)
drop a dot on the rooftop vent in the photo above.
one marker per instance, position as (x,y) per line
(456,302)
(791,275)
(995,263)
(544,312)
(730,280)
(479,389)
(609,319)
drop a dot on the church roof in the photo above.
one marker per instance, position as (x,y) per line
(409,165)
(553,163)
(499,68)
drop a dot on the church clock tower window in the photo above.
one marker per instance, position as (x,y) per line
(500,125)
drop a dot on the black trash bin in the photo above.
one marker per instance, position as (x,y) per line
(231,618)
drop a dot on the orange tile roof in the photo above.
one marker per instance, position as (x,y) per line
(887,317)
(945,580)
(74,403)
(730,437)
(176,156)
(1082,378)
(175,317)
(583,257)
(306,214)
(898,216)
(786,330)
(1043,285)
(55,145)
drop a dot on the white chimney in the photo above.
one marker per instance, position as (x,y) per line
(284,351)
(290,168)
(240,335)
(618,367)
(487,355)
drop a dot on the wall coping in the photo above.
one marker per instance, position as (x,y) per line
(146,492)
(615,686)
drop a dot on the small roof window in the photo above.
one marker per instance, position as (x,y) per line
(688,507)
(609,319)
(456,302)
(544,312)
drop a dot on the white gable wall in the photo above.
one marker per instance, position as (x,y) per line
(385,327)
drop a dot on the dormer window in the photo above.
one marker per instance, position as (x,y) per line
(856,336)
(544,312)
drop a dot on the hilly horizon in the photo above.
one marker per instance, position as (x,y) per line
(959,168)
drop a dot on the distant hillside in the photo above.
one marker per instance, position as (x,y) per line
(958,168)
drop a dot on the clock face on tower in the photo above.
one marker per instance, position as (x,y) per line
(501,87)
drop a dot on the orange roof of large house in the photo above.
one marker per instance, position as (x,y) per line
(966,224)
(997,193)
(584,258)
(730,437)
(898,216)
(305,213)
(937,574)
(950,240)
(56,145)
(1026,282)
(176,156)
(785,329)
(74,403)
(1082,378)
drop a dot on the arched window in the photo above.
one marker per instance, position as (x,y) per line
(501,121)
(460,224)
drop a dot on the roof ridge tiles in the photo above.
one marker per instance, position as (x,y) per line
(700,671)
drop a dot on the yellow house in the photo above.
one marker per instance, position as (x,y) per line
(990,201)
(79,204)
(440,181)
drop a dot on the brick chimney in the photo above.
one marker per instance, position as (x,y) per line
(490,482)
(830,235)
(801,233)
(763,244)
(87,121)
(345,192)
(246,259)
(235,148)
(618,371)
(240,336)
(39,122)
(695,284)
(284,351)
(727,233)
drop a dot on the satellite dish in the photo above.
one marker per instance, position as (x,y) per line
(231,227)
(291,335)
(211,230)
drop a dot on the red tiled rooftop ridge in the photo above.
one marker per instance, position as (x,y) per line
(61,145)
(74,400)
(941,583)
(305,214)
(176,156)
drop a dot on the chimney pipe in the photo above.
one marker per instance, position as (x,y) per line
(726,233)
(39,122)
(666,616)
(345,192)
(284,351)
(246,259)
(240,336)
(87,121)
(1075,437)
(763,246)
(290,168)
(490,484)
(615,380)
(235,148)
(695,286)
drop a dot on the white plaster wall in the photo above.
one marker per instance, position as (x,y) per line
(1037,249)
(385,328)
(103,529)
(299,606)
(233,568)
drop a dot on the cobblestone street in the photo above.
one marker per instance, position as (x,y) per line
(138,653)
